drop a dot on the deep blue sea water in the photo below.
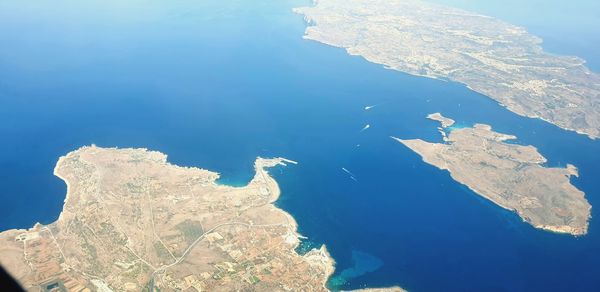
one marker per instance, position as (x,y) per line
(216,83)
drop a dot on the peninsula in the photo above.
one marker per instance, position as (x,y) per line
(134,222)
(491,57)
(510,175)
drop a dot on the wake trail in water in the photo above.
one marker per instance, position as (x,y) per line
(352,176)
(370,107)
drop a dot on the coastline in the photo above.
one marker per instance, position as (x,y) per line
(66,181)
(316,256)
(319,258)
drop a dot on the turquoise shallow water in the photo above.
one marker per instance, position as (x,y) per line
(217,83)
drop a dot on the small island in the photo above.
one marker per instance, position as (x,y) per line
(489,56)
(446,122)
(510,175)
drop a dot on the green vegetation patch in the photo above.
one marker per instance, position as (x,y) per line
(190,230)
(254,279)
(161,251)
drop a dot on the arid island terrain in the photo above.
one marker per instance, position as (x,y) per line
(512,176)
(497,59)
(133,222)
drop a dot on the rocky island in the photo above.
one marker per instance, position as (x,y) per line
(510,175)
(494,58)
(134,222)
(446,122)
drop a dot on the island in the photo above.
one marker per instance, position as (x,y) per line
(510,175)
(446,122)
(491,57)
(134,222)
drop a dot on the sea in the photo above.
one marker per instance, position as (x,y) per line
(214,84)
